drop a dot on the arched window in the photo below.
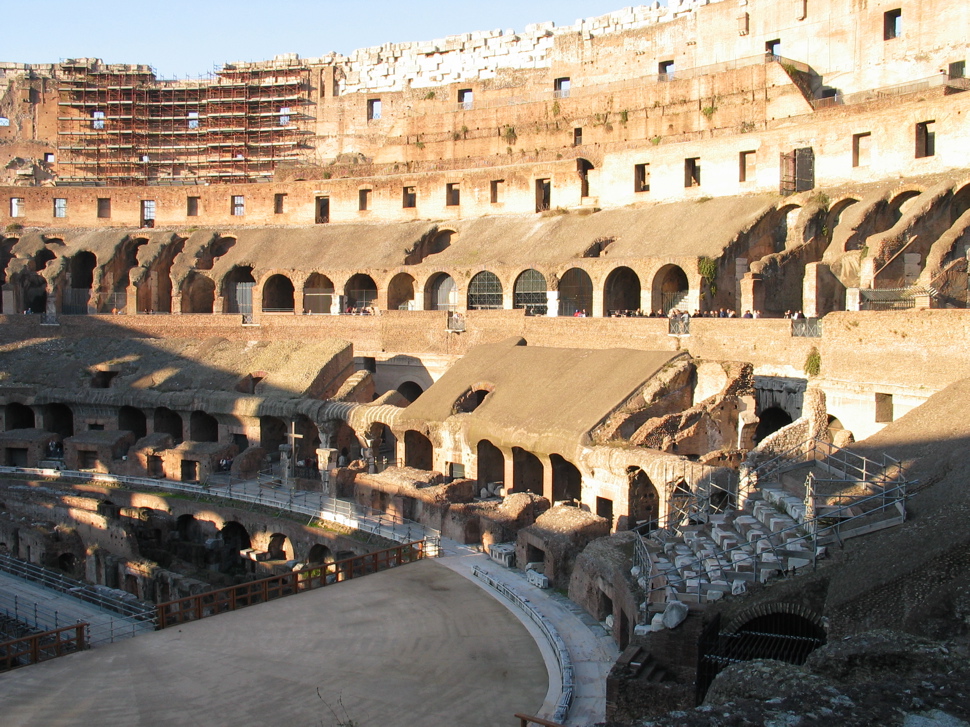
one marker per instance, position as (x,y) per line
(671,289)
(238,288)
(441,293)
(485,292)
(318,294)
(400,292)
(278,295)
(530,293)
(622,292)
(361,291)
(575,293)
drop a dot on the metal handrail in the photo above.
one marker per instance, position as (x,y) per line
(358,517)
(552,636)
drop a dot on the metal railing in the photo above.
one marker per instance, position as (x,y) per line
(128,606)
(806,327)
(678,326)
(36,648)
(552,636)
(315,505)
(899,89)
(41,617)
(224,600)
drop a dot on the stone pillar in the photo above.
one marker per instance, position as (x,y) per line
(131,299)
(552,303)
(853,299)
(10,306)
(752,293)
(336,304)
(326,461)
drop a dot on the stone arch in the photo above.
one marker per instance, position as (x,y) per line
(671,289)
(307,445)
(81,270)
(621,292)
(237,290)
(644,501)
(527,472)
(318,292)
(491,463)
(319,554)
(575,293)
(360,291)
(18,416)
(235,538)
(117,275)
(767,609)
(198,293)
(69,563)
(400,292)
(203,427)
(418,451)
(770,421)
(484,292)
(279,547)
(34,288)
(272,434)
(154,289)
(133,420)
(529,292)
(278,294)
(218,246)
(433,242)
(567,482)
(410,391)
(473,397)
(59,419)
(441,293)
(168,422)
(960,203)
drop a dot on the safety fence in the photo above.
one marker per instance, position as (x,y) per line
(224,600)
(314,505)
(36,648)
(552,636)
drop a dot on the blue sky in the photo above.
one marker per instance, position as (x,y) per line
(180,38)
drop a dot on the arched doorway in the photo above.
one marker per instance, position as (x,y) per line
(418,452)
(279,547)
(621,292)
(527,472)
(59,419)
(115,298)
(168,422)
(670,289)
(319,554)
(318,294)
(203,427)
(575,293)
(360,291)
(567,482)
(278,295)
(644,502)
(770,421)
(272,434)
(400,292)
(410,391)
(491,463)
(235,538)
(529,292)
(133,420)
(81,269)
(485,292)
(781,635)
(18,416)
(198,294)
(237,289)
(441,293)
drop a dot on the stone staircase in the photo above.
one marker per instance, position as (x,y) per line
(798,509)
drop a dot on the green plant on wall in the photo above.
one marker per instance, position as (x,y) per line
(509,136)
(813,362)
(707,267)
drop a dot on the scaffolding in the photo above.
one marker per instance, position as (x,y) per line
(118,125)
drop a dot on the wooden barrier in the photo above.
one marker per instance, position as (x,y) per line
(36,648)
(223,600)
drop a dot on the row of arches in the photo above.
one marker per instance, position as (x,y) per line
(573,292)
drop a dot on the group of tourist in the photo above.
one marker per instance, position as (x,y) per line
(364,310)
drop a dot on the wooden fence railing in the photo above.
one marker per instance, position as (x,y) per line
(224,600)
(40,647)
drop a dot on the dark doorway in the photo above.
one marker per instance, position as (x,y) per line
(527,472)
(567,482)
(18,416)
(418,452)
(621,292)
(133,420)
(168,422)
(491,463)
(770,421)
